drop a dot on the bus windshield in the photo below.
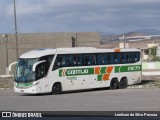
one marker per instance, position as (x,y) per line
(24,71)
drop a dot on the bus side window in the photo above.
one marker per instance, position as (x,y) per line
(64,61)
(116,58)
(122,58)
(100,59)
(108,58)
(112,59)
(136,57)
(87,60)
(50,58)
(80,60)
(47,63)
(105,60)
(58,62)
(93,59)
(127,58)
(71,60)
(75,61)
(132,60)
(90,59)
(40,71)
(67,61)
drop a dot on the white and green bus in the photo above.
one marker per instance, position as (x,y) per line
(65,69)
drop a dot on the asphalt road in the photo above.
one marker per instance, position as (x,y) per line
(97,100)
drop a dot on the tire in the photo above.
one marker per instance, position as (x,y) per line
(123,83)
(56,89)
(114,84)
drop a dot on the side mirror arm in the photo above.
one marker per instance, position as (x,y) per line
(37,63)
(10,66)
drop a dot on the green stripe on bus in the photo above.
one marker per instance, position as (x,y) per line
(90,71)
(103,70)
(24,84)
(60,72)
(99,77)
(117,69)
(131,68)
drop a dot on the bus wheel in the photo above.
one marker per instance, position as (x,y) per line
(123,83)
(56,89)
(114,83)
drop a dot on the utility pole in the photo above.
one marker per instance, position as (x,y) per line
(124,41)
(15,30)
(6,42)
(76,40)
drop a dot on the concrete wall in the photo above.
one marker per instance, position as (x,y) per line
(30,41)
(88,39)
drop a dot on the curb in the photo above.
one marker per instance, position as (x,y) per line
(6,76)
(5,88)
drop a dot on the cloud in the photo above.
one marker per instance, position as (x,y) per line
(25,8)
(82,15)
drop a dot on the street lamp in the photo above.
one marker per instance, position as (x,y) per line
(6,42)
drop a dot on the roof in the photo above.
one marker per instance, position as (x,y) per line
(48,51)
(38,53)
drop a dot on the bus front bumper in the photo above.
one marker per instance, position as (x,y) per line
(31,90)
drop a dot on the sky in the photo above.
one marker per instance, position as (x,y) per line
(110,16)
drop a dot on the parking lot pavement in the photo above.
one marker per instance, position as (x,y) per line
(96,100)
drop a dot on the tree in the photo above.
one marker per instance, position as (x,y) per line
(153,54)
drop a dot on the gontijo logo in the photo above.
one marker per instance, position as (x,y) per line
(75,72)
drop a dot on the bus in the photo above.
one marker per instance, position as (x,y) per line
(64,69)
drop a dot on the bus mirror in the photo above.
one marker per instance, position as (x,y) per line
(10,66)
(37,63)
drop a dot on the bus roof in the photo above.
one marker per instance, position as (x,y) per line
(48,51)
(38,53)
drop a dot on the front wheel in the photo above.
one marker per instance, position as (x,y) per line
(56,89)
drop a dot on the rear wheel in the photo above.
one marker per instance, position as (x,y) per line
(114,83)
(56,89)
(123,83)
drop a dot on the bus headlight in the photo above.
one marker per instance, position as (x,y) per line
(36,83)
